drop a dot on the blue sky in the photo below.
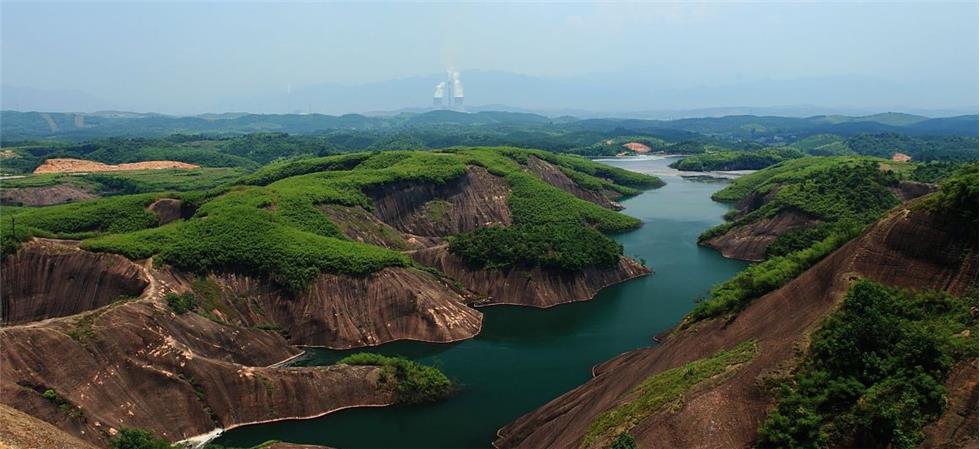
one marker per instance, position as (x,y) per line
(183,57)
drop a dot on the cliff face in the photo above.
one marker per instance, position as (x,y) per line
(957,427)
(343,312)
(554,176)
(475,200)
(46,279)
(908,248)
(137,364)
(23,431)
(750,241)
(534,287)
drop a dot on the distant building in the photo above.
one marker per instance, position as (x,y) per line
(901,157)
(449,93)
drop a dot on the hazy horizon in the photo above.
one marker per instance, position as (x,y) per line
(190,58)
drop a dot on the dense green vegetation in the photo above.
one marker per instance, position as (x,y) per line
(132,182)
(563,247)
(738,292)
(662,389)
(874,373)
(181,303)
(795,171)
(77,220)
(274,228)
(957,195)
(548,223)
(934,172)
(843,194)
(137,439)
(948,148)
(736,160)
(413,383)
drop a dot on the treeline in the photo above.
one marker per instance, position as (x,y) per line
(736,160)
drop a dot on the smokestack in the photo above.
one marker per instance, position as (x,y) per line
(457,91)
(439,95)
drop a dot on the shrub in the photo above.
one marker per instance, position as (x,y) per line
(181,303)
(137,439)
(873,376)
(414,383)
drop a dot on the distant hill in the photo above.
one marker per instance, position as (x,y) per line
(71,126)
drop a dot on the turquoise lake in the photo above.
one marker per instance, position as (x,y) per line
(525,357)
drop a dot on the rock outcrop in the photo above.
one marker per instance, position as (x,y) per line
(536,287)
(48,279)
(23,431)
(45,196)
(957,427)
(909,248)
(554,176)
(750,241)
(137,364)
(341,311)
(168,210)
(474,200)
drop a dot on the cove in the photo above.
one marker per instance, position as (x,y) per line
(526,357)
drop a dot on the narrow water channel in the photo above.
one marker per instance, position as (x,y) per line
(525,357)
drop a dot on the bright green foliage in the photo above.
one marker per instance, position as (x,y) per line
(535,202)
(623,441)
(282,169)
(738,292)
(736,160)
(874,373)
(275,227)
(794,170)
(235,232)
(181,303)
(958,194)
(844,194)
(414,383)
(137,439)
(77,220)
(663,389)
(565,247)
(798,239)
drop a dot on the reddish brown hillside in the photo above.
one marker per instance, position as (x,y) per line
(908,248)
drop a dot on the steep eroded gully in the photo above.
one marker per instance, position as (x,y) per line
(525,357)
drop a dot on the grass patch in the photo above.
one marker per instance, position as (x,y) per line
(661,390)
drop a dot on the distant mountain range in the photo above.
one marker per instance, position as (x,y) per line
(628,94)
(73,126)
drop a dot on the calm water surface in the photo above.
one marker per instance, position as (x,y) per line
(525,357)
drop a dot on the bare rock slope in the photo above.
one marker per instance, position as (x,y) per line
(908,248)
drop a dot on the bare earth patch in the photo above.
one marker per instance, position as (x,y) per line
(64,165)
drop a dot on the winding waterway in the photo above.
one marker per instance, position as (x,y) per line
(525,357)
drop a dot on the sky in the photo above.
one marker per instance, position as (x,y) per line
(192,57)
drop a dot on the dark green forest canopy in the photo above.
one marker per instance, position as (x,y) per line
(736,160)
(274,228)
(874,373)
(248,141)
